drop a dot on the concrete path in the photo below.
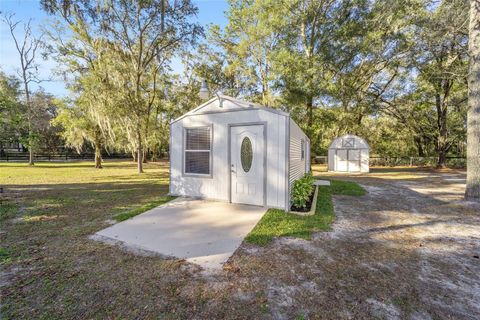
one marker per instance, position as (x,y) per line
(200,231)
(321,182)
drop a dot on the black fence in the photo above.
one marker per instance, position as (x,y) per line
(452,162)
(24,156)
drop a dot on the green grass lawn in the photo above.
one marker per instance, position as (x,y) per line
(136,211)
(278,223)
(47,213)
(55,188)
(54,271)
(347,188)
(8,209)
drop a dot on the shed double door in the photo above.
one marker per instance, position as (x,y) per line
(348,160)
(247,164)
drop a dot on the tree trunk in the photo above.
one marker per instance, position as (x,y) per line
(140,159)
(145,155)
(30,154)
(98,157)
(442,146)
(419,145)
(310,112)
(309,128)
(98,147)
(29,118)
(442,159)
(472,191)
(139,154)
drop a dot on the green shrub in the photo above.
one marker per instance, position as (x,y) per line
(302,190)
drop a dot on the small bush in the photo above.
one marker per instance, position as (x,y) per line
(302,190)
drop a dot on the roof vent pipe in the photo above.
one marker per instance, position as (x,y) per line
(203,93)
(220,100)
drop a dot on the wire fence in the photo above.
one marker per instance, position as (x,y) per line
(451,162)
(320,160)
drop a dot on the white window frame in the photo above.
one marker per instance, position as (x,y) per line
(184,150)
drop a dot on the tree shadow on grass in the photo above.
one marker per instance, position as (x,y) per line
(77,203)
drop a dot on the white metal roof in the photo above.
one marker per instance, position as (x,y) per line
(349,141)
(240,104)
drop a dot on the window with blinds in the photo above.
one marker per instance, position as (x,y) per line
(197,150)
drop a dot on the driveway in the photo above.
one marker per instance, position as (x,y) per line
(203,232)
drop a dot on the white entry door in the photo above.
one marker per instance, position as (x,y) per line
(354,160)
(247,157)
(341,159)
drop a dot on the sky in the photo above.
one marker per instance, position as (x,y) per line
(210,12)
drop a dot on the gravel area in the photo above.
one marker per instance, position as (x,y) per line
(407,250)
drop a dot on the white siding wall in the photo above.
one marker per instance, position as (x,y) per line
(297,166)
(331,159)
(308,157)
(218,186)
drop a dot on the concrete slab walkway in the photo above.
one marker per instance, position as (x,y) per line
(321,182)
(200,231)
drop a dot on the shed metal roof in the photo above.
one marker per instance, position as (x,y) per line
(242,106)
(346,141)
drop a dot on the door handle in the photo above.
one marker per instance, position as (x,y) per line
(233,171)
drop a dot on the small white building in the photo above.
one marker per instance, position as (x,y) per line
(235,151)
(348,153)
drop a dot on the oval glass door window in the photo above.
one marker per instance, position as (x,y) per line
(246,154)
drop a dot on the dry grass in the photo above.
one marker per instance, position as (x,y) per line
(405,250)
